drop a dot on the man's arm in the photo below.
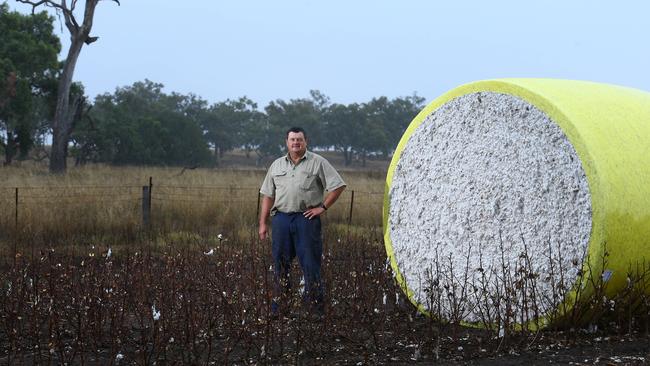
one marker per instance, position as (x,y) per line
(267,203)
(328,202)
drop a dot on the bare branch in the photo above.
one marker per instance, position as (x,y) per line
(70,21)
(36,4)
(187,168)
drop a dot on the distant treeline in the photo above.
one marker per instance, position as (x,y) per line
(140,124)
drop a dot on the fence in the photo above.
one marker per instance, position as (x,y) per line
(96,209)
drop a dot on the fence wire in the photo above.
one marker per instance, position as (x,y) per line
(30,206)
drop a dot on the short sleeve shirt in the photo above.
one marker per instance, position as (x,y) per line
(299,187)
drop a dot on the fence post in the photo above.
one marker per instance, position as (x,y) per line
(257,214)
(146,206)
(351,206)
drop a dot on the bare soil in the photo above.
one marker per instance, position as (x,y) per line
(175,304)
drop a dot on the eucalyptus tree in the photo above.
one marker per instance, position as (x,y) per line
(28,65)
(343,128)
(386,122)
(67,110)
(142,125)
(231,124)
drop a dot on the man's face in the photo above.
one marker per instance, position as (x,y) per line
(296,142)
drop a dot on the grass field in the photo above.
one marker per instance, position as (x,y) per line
(107,202)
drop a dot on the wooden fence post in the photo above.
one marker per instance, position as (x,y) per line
(146,206)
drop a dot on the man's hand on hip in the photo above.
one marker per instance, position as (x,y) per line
(313,212)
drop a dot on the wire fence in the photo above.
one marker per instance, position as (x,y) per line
(186,207)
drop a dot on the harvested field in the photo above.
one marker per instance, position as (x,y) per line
(207,302)
(187,297)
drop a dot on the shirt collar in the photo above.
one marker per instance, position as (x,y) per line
(306,156)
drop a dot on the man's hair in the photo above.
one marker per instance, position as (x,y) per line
(297,130)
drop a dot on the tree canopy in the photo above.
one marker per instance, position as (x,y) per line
(28,68)
(141,124)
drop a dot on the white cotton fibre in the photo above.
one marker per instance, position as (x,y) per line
(488,185)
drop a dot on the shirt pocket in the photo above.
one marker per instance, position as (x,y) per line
(280,178)
(307,182)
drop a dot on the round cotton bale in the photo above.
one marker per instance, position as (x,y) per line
(517,199)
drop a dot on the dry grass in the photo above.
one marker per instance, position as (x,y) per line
(106,202)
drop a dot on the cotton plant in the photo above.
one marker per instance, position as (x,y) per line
(301,287)
(155,313)
(221,238)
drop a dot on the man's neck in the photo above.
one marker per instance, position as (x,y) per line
(295,157)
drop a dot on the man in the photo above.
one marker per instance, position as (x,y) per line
(293,195)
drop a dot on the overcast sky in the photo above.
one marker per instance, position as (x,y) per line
(353,50)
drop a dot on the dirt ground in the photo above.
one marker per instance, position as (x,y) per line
(181,306)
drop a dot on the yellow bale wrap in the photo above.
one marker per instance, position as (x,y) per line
(609,128)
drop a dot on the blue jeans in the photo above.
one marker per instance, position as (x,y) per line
(295,235)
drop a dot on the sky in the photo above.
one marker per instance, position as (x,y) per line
(354,50)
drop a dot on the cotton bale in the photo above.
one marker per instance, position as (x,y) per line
(531,194)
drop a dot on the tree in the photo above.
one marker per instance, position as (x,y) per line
(374,136)
(28,64)
(400,114)
(142,125)
(281,115)
(66,110)
(229,124)
(393,117)
(267,139)
(342,128)
(7,82)
(250,120)
(304,112)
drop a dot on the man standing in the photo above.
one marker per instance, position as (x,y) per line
(293,195)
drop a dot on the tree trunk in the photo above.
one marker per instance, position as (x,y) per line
(217,156)
(64,114)
(11,148)
(260,157)
(348,156)
(10,90)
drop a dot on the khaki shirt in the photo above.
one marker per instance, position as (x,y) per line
(299,187)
